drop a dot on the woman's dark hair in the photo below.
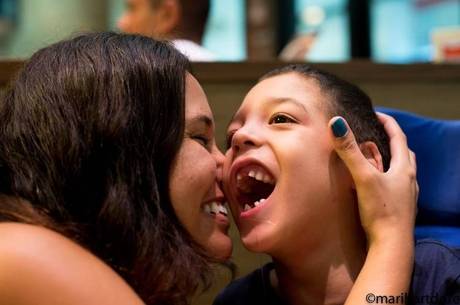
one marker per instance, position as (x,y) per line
(88,132)
(347,101)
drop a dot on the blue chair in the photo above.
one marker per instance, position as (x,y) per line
(436,144)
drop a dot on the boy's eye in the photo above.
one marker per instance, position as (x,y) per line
(280,119)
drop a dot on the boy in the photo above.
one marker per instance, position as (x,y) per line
(293,198)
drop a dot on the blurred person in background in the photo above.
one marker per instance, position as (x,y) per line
(181,21)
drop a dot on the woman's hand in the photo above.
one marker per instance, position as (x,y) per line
(387,200)
(387,207)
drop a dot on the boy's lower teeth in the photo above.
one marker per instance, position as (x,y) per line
(247,207)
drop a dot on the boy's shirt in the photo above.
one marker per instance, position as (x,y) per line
(435,280)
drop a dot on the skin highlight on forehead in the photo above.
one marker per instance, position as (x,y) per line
(272,102)
(309,85)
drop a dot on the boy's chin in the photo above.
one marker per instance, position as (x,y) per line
(257,242)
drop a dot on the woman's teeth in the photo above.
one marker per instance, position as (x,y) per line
(215,208)
(247,207)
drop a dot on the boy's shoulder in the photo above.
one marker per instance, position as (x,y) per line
(436,270)
(254,288)
(436,273)
(434,256)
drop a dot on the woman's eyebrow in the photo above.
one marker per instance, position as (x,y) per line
(202,119)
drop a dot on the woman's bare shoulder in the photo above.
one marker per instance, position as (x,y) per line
(40,266)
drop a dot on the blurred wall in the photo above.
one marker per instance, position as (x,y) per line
(41,22)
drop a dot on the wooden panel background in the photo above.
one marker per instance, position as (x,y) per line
(426,89)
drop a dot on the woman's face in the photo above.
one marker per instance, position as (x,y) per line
(195,191)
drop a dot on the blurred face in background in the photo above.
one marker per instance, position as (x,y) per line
(138,18)
(152,18)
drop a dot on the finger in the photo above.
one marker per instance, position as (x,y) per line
(413,159)
(398,140)
(346,147)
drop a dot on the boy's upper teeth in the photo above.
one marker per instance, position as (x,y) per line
(257,174)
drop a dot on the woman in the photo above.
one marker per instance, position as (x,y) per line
(85,150)
(109,172)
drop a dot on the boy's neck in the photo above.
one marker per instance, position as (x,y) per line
(325,273)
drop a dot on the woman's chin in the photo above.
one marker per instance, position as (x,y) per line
(220,247)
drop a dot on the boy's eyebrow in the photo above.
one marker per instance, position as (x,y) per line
(282,100)
(274,101)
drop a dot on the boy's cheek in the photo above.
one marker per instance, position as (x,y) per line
(228,160)
(227,165)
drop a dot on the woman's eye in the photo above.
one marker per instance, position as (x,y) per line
(202,140)
(280,119)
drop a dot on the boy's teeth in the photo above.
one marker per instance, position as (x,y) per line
(256,204)
(266,179)
(207,208)
(257,175)
(259,202)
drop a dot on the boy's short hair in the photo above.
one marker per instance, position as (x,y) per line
(347,101)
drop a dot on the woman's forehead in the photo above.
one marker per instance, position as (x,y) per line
(196,102)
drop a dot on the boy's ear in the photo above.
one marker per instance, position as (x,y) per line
(372,154)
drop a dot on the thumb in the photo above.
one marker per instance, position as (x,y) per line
(346,147)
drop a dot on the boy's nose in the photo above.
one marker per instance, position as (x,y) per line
(245,138)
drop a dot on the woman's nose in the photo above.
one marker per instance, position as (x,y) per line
(218,156)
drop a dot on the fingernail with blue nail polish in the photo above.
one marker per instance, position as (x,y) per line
(339,128)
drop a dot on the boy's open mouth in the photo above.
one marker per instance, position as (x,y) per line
(253,185)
